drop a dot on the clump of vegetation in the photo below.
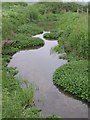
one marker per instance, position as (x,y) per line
(54,116)
(53,35)
(29,29)
(15,17)
(16,102)
(74,34)
(73,40)
(73,77)
(23,41)
(16,35)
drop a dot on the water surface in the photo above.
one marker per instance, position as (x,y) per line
(37,67)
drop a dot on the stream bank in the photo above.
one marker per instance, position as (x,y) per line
(37,67)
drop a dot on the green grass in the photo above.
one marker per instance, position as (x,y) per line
(17,26)
(29,29)
(73,40)
(23,41)
(16,102)
(74,34)
(53,35)
(73,77)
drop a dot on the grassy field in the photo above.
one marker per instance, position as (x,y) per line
(19,23)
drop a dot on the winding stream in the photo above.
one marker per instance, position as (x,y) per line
(37,67)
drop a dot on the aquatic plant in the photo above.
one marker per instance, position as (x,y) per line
(73,77)
(53,35)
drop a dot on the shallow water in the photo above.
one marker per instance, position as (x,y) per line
(37,67)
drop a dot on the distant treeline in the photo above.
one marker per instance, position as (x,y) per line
(57,7)
(54,7)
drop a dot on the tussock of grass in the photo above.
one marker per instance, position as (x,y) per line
(16,102)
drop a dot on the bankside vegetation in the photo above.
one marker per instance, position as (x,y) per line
(72,35)
(17,102)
